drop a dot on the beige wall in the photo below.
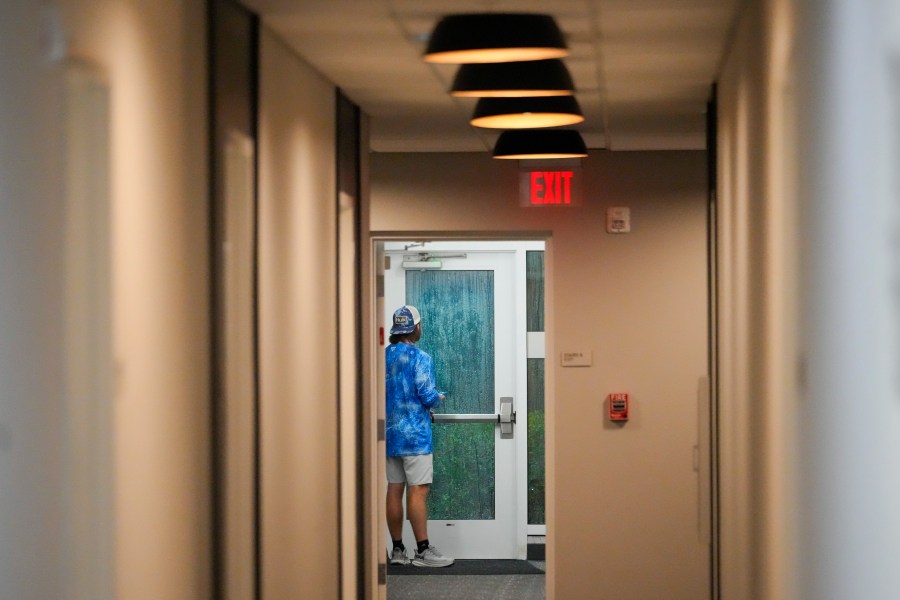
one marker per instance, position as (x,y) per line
(152,505)
(154,54)
(298,343)
(31,279)
(758,287)
(808,258)
(742,220)
(624,520)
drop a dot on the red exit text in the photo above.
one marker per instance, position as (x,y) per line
(551,187)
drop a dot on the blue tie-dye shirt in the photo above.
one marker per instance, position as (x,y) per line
(411,392)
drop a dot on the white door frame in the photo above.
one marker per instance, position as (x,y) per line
(515,253)
(373,438)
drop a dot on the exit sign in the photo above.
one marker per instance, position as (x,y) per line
(550,187)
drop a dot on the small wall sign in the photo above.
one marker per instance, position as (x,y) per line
(576,358)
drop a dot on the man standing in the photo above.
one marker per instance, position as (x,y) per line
(411,393)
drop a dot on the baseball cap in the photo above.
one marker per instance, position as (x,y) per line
(405,320)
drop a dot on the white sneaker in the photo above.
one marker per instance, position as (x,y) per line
(398,557)
(430,557)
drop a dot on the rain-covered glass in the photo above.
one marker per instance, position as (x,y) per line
(534,300)
(457,309)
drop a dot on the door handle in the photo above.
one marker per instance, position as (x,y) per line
(505,418)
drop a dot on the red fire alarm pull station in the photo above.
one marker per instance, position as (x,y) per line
(618,407)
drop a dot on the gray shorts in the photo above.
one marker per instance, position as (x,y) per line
(412,470)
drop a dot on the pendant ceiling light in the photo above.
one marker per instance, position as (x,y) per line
(495,37)
(514,79)
(526,113)
(525,144)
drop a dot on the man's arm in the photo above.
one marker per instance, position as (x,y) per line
(425,385)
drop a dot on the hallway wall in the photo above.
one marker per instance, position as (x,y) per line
(155,55)
(298,327)
(31,305)
(748,312)
(135,521)
(147,493)
(808,196)
(626,520)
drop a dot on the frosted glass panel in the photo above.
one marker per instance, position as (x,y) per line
(534,300)
(457,309)
(536,510)
(463,487)
(534,290)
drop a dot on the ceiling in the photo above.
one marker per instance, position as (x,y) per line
(643,69)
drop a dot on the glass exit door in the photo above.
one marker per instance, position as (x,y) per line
(470,324)
(460,336)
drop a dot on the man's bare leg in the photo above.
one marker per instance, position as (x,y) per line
(416,510)
(394,510)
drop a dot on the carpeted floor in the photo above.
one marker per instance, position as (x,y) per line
(417,585)
(467,587)
(472,567)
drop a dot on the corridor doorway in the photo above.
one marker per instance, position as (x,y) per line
(482,313)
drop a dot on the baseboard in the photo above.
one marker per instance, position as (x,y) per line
(537,552)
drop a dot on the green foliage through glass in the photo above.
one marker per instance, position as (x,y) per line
(536,509)
(457,309)
(534,300)
(464,485)
(536,473)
